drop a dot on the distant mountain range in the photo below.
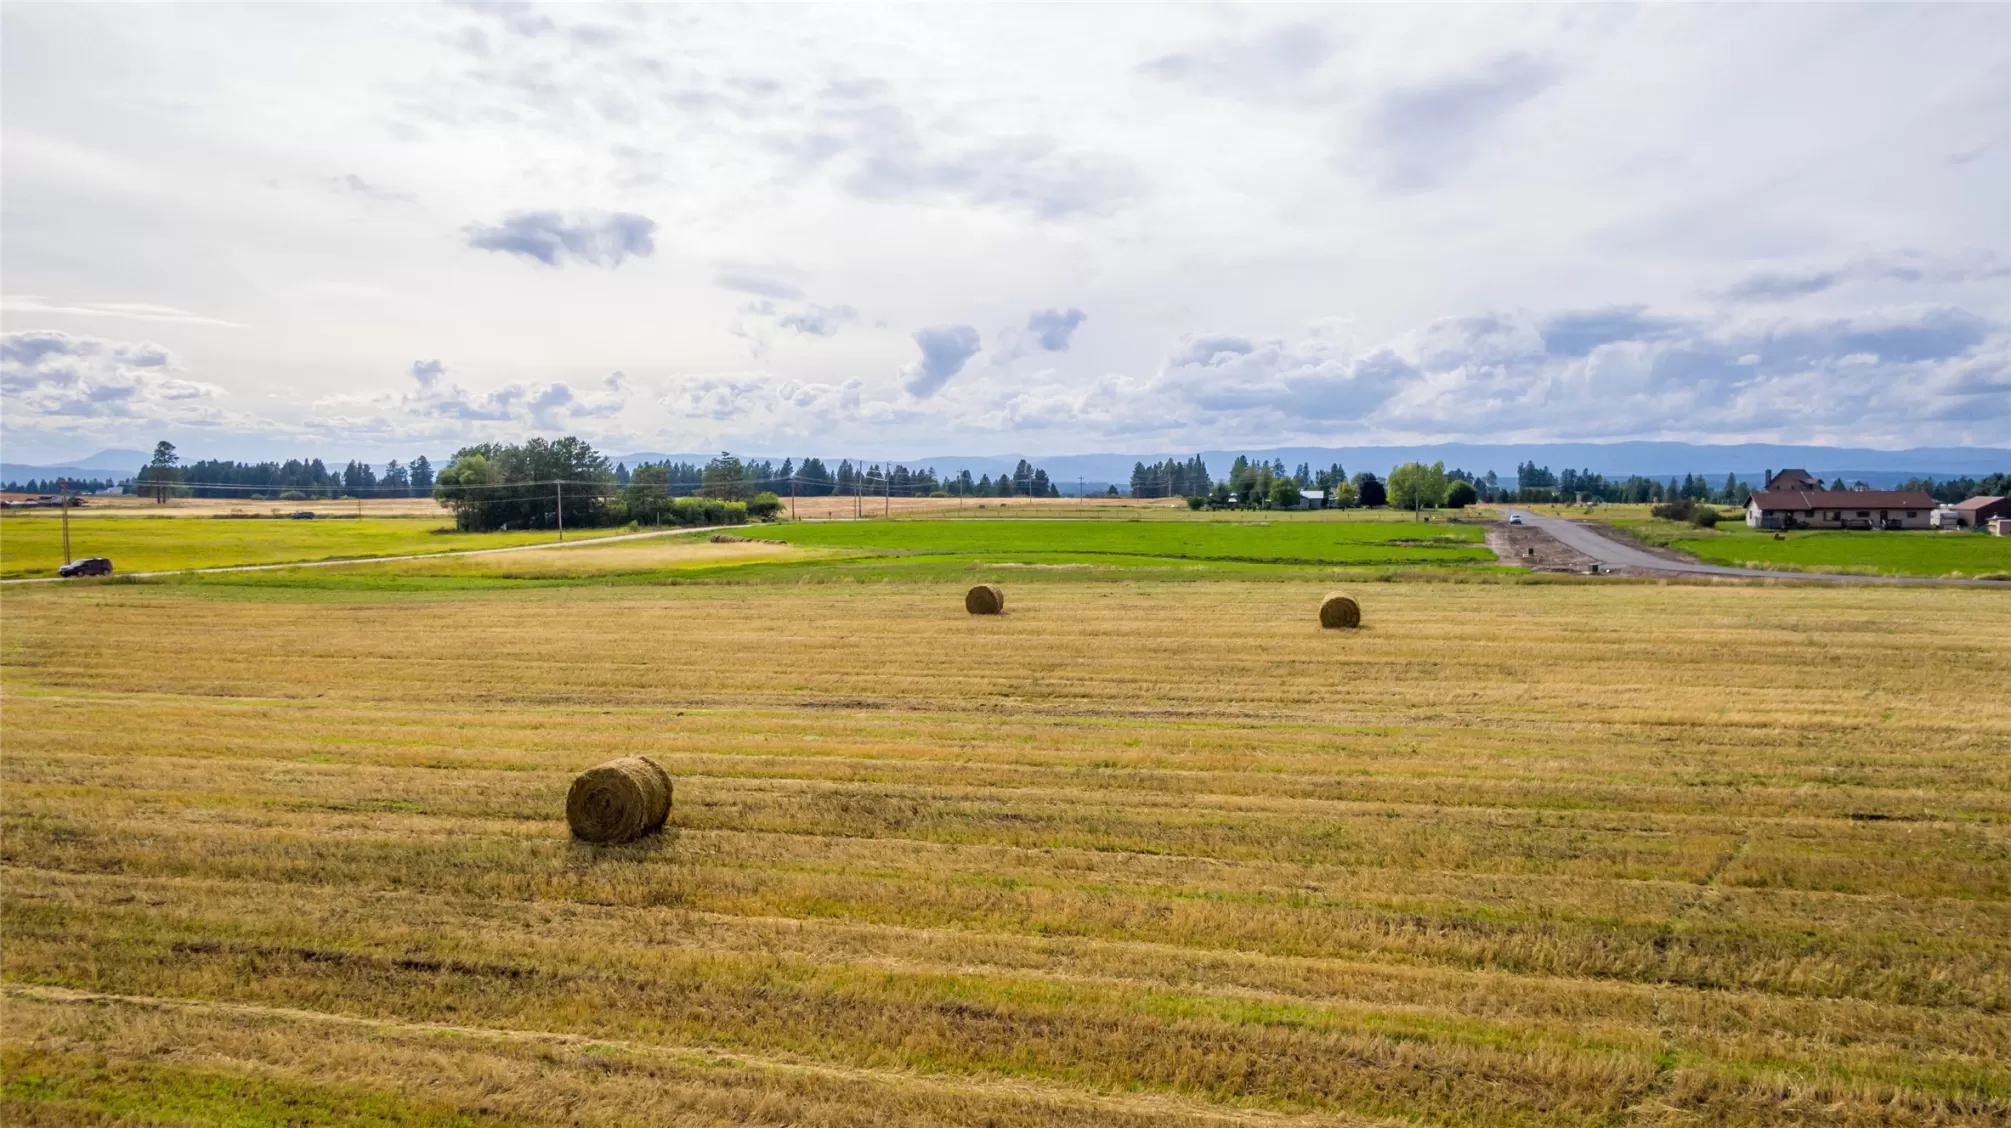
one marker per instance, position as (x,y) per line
(1750,461)
(1094,472)
(111,465)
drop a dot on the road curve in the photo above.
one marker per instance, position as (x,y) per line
(1612,553)
(391,559)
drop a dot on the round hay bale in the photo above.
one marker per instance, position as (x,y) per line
(1338,612)
(619,801)
(984,599)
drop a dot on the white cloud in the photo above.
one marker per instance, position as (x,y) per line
(720,399)
(439,407)
(827,196)
(130,311)
(945,350)
(79,384)
(595,238)
(1785,283)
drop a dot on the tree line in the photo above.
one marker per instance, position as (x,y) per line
(492,487)
(1948,491)
(296,479)
(814,478)
(57,485)
(541,484)
(1256,484)
(1413,485)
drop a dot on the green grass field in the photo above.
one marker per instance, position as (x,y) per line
(1911,553)
(1331,542)
(31,544)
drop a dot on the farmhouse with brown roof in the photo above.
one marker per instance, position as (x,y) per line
(1792,480)
(1839,509)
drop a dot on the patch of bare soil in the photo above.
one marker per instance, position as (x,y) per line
(1530,547)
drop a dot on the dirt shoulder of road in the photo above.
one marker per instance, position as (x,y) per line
(1529,547)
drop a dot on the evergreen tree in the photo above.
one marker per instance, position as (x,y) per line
(1370,491)
(725,478)
(814,479)
(159,477)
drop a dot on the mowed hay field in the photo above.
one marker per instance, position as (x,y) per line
(31,544)
(1132,853)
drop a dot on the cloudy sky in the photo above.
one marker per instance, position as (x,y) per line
(374,230)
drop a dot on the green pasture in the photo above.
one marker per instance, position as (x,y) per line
(930,551)
(1119,542)
(31,544)
(1175,509)
(1871,553)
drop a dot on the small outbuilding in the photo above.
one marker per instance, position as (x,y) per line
(1840,509)
(1978,512)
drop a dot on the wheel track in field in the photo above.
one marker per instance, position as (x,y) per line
(713,1057)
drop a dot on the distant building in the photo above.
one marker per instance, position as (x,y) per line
(2000,526)
(1980,511)
(1312,499)
(1793,480)
(1840,509)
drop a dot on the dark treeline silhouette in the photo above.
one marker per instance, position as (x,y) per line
(1951,490)
(1171,478)
(540,484)
(57,485)
(294,478)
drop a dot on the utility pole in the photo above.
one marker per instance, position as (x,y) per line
(560,487)
(887,492)
(63,499)
(792,497)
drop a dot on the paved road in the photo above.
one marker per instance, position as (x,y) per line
(1612,553)
(579,543)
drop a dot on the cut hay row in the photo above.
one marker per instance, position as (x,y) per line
(1337,611)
